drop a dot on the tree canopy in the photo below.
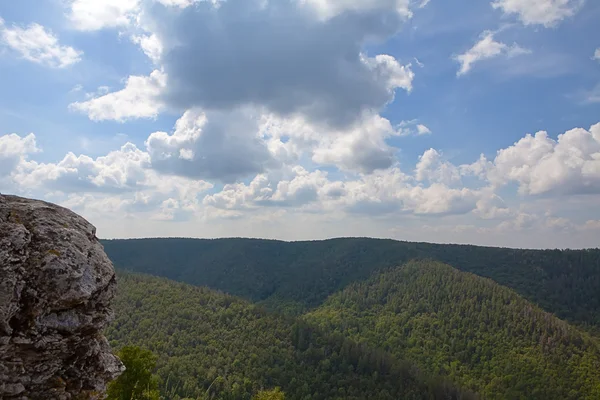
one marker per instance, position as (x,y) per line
(275,394)
(138,381)
(297,276)
(360,319)
(481,335)
(213,345)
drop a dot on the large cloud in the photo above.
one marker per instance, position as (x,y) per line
(236,144)
(539,164)
(164,198)
(122,181)
(299,62)
(290,57)
(388,192)
(569,165)
(296,187)
(363,147)
(223,146)
(122,170)
(391,191)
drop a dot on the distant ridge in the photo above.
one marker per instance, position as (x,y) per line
(293,277)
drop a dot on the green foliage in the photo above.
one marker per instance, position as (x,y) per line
(350,324)
(214,346)
(481,335)
(275,394)
(295,277)
(137,382)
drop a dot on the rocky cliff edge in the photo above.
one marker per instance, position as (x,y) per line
(56,286)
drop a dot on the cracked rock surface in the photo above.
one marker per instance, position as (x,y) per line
(56,286)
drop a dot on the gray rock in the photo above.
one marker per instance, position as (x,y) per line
(56,286)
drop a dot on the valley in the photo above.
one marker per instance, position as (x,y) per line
(360,318)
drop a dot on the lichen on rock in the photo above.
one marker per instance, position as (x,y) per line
(56,286)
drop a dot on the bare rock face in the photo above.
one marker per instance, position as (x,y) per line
(56,285)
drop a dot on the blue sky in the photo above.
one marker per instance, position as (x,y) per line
(466,121)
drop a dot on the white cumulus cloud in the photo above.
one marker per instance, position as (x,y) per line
(125,169)
(91,15)
(391,191)
(213,145)
(387,192)
(486,48)
(248,53)
(539,12)
(431,167)
(14,150)
(121,182)
(540,164)
(361,147)
(140,98)
(150,45)
(37,44)
(295,188)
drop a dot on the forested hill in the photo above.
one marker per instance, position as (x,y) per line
(482,335)
(214,346)
(423,330)
(298,276)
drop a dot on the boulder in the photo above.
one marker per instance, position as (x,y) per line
(56,287)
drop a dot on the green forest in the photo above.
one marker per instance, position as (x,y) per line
(296,276)
(478,333)
(359,319)
(207,341)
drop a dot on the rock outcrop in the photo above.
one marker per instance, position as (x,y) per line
(56,286)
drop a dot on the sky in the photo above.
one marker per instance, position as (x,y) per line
(422,120)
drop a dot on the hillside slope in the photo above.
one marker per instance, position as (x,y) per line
(209,342)
(297,276)
(482,335)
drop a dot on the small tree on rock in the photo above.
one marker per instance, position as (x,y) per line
(137,382)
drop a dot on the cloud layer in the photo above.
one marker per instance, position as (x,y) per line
(171,176)
(307,118)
